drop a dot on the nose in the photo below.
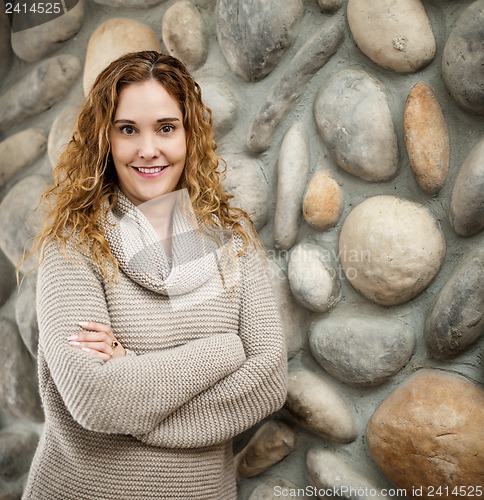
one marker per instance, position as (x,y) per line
(148,147)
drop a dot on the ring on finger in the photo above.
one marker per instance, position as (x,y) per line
(114,344)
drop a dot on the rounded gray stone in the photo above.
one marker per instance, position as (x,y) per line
(467,198)
(46,84)
(463,59)
(354,120)
(6,54)
(253,36)
(185,34)
(456,320)
(34,43)
(7,278)
(330,6)
(313,277)
(61,131)
(276,487)
(129,4)
(361,350)
(17,448)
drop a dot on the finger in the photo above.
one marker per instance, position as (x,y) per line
(100,347)
(95,326)
(93,352)
(91,337)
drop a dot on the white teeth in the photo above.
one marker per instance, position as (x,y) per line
(153,170)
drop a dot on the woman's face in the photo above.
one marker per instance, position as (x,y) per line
(148,141)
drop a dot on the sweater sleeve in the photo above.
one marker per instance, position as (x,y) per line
(246,396)
(129,395)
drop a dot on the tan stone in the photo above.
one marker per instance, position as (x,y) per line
(272,442)
(318,407)
(391,249)
(395,35)
(426,138)
(429,433)
(112,39)
(184,34)
(323,201)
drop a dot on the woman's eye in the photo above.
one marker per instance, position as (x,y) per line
(127,130)
(166,129)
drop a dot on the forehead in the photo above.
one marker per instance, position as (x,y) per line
(147,98)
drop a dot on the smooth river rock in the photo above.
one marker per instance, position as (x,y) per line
(463,59)
(185,34)
(61,132)
(277,487)
(426,138)
(223,101)
(327,471)
(429,433)
(391,249)
(456,320)
(112,39)
(245,180)
(17,448)
(354,120)
(292,171)
(7,278)
(318,407)
(359,349)
(272,442)
(19,150)
(312,56)
(20,220)
(313,277)
(467,198)
(130,4)
(19,396)
(253,36)
(323,201)
(34,43)
(46,84)
(395,35)
(330,6)
(6,54)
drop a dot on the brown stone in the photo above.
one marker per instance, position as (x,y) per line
(426,138)
(272,442)
(323,201)
(428,433)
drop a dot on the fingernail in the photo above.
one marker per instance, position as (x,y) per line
(83,323)
(73,342)
(86,349)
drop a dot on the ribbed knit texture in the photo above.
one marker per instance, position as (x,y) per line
(206,361)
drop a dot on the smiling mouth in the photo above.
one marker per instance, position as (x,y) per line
(150,170)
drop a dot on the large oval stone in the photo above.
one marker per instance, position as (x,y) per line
(34,43)
(277,487)
(223,101)
(253,36)
(112,39)
(312,56)
(313,277)
(426,138)
(5,45)
(185,34)
(19,150)
(272,442)
(20,220)
(318,407)
(328,472)
(292,171)
(391,249)
(463,59)
(456,320)
(354,120)
(46,84)
(330,6)
(61,131)
(361,350)
(323,201)
(395,35)
(428,435)
(245,180)
(467,199)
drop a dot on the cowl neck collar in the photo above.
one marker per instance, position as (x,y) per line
(160,245)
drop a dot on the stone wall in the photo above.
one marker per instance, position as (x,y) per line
(354,135)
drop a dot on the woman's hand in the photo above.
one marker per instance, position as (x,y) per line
(99,340)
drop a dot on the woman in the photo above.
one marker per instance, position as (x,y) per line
(159,336)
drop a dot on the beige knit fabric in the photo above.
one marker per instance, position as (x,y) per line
(206,362)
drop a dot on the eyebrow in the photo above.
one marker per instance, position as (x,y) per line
(160,120)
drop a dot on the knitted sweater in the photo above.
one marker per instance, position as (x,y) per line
(206,360)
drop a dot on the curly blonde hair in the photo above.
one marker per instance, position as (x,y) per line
(85,180)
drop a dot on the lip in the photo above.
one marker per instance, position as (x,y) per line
(150,175)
